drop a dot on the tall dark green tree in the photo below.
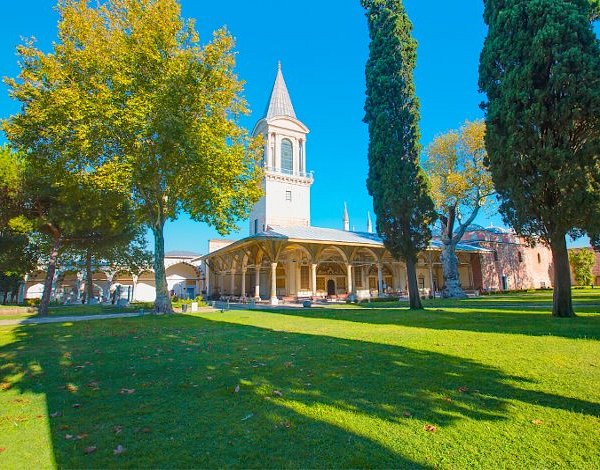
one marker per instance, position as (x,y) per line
(540,69)
(398,185)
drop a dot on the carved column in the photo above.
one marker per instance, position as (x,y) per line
(274,299)
(313,278)
(380,279)
(350,287)
(257,282)
(243,289)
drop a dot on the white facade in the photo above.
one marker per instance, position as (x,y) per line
(286,186)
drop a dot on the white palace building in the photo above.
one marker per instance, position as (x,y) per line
(285,258)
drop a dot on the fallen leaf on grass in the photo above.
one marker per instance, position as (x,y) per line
(64,427)
(287,365)
(119,450)
(447,399)
(68,437)
(537,422)
(144,430)
(56,414)
(247,417)
(277,393)
(430,428)
(82,436)
(407,414)
(127,391)
(90,449)
(117,429)
(2,449)
(236,389)
(94,385)
(463,389)
(71,388)
(76,405)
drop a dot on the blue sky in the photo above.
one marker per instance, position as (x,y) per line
(323,47)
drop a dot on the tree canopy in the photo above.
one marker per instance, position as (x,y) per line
(460,185)
(396,181)
(582,261)
(129,84)
(540,69)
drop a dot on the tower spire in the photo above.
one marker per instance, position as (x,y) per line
(280,103)
(346,218)
(369,223)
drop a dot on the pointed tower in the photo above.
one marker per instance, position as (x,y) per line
(346,218)
(286,185)
(369,223)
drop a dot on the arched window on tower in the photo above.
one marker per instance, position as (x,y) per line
(287,157)
(301,156)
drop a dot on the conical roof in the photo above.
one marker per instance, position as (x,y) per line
(280,103)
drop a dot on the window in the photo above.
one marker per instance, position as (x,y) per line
(255,225)
(520,256)
(287,157)
(304,277)
(539,258)
(495,255)
(288,195)
(421,282)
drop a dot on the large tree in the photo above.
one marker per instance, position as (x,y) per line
(396,182)
(540,69)
(460,185)
(138,87)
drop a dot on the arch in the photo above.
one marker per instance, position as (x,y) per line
(182,280)
(145,289)
(122,286)
(296,246)
(369,251)
(323,255)
(34,287)
(287,156)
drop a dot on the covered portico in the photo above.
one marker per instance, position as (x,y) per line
(292,263)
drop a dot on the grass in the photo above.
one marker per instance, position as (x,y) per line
(502,387)
(17,313)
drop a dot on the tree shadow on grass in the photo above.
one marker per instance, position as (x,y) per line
(505,321)
(166,389)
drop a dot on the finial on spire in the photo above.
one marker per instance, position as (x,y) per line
(369,223)
(346,218)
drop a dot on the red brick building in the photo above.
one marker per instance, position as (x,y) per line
(510,263)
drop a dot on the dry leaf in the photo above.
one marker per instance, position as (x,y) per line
(82,436)
(5,385)
(236,389)
(56,414)
(72,388)
(463,389)
(287,365)
(117,429)
(407,414)
(277,393)
(68,437)
(537,422)
(76,405)
(90,449)
(447,399)
(119,450)
(430,428)
(64,427)
(127,391)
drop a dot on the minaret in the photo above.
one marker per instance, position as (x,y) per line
(286,183)
(346,218)
(369,223)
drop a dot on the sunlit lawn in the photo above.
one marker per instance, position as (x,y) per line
(481,383)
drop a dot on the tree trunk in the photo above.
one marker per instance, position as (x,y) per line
(89,278)
(562,305)
(45,302)
(162,304)
(413,288)
(449,261)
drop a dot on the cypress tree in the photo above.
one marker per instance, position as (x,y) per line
(540,69)
(398,185)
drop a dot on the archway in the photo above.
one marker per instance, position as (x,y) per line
(183,280)
(145,290)
(35,285)
(330,287)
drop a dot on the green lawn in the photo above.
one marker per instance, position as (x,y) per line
(16,313)
(502,384)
